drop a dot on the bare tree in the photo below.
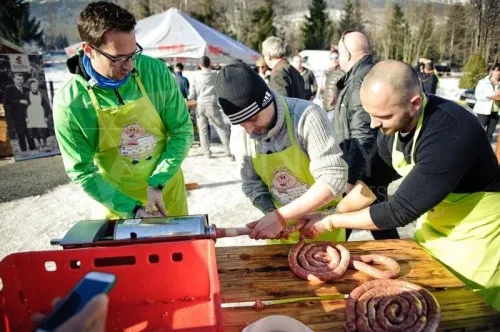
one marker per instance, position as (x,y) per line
(488,14)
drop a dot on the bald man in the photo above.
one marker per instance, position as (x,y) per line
(352,124)
(451,178)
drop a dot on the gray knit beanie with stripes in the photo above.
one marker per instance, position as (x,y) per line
(242,93)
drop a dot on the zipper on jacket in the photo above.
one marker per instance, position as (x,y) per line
(120,99)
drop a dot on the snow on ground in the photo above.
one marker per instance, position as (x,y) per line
(57,73)
(29,223)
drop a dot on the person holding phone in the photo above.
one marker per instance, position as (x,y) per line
(91,319)
(84,308)
(121,122)
(487,107)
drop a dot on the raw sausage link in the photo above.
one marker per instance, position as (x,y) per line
(291,229)
(360,263)
(391,305)
(318,261)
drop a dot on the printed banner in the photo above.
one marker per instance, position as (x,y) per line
(26,105)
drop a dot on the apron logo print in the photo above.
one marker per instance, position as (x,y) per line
(286,187)
(136,143)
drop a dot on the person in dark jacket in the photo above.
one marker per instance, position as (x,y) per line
(330,90)
(351,123)
(5,79)
(284,79)
(310,85)
(182,82)
(16,103)
(429,79)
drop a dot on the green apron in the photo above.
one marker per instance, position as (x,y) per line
(462,232)
(132,138)
(287,177)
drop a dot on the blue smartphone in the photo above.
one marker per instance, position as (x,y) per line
(92,284)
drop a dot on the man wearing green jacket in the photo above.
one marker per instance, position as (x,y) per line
(121,122)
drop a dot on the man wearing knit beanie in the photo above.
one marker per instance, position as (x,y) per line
(290,163)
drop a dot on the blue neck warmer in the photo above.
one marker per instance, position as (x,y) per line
(102,81)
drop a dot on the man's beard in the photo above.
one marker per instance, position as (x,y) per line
(406,122)
(403,125)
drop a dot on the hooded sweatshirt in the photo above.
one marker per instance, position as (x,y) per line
(202,87)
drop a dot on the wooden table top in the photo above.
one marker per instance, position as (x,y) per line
(262,273)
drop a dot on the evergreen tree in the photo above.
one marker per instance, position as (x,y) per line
(61,42)
(358,17)
(206,15)
(317,30)
(474,70)
(213,16)
(348,20)
(58,42)
(261,25)
(16,25)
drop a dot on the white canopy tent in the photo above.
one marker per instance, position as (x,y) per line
(177,37)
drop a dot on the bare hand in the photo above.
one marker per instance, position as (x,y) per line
(24,102)
(155,201)
(267,227)
(317,224)
(92,318)
(143,213)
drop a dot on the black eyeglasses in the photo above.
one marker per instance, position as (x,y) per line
(342,39)
(120,60)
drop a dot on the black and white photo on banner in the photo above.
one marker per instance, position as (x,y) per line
(27,108)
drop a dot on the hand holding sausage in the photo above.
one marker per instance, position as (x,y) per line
(316,224)
(267,227)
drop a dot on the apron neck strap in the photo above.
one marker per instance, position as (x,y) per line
(417,132)
(288,122)
(139,83)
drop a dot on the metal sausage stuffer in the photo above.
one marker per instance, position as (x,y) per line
(87,233)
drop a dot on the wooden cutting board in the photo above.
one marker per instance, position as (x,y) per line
(262,273)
